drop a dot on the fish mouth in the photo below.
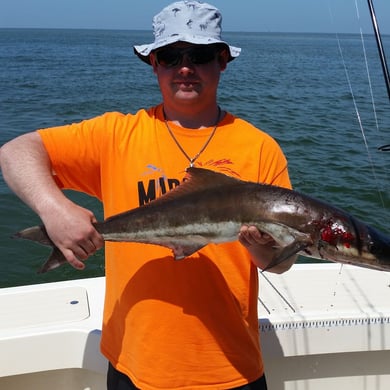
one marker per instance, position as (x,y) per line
(379,246)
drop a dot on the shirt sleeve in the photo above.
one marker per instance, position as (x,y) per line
(75,153)
(273,164)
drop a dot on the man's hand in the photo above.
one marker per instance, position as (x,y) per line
(27,170)
(250,235)
(261,247)
(70,228)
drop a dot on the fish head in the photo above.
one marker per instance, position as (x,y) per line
(378,245)
(352,242)
(337,241)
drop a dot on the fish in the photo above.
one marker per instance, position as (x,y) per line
(209,207)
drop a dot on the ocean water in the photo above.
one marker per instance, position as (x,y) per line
(311,92)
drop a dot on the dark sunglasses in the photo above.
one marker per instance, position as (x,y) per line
(198,55)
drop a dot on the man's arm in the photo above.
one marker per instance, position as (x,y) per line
(26,168)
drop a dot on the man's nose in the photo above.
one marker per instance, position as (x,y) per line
(186,66)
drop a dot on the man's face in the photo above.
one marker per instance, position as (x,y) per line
(189,73)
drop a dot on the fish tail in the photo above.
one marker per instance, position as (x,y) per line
(39,235)
(55,260)
(35,233)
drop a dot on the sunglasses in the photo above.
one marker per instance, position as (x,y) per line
(198,55)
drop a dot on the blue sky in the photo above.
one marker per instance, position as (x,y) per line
(239,15)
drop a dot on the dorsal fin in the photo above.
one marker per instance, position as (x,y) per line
(206,178)
(197,180)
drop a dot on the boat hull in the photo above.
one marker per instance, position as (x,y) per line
(331,330)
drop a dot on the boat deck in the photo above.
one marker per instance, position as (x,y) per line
(321,326)
(331,331)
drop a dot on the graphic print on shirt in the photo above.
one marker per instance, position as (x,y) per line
(156,182)
(221,165)
(152,188)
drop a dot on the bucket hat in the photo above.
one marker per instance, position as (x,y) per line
(186,21)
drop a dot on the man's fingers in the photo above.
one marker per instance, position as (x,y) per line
(250,235)
(78,253)
(73,260)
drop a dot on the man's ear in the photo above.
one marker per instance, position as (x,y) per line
(223,59)
(153,61)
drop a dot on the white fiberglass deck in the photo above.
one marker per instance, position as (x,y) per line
(330,330)
(338,337)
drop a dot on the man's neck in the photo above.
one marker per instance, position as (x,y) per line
(189,118)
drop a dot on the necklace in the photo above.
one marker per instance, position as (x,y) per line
(202,149)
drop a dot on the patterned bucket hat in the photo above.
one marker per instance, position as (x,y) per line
(186,21)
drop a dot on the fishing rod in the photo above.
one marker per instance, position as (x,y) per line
(381,50)
(382,56)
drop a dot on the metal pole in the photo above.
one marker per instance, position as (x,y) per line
(380,47)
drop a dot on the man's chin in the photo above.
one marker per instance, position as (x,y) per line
(187,96)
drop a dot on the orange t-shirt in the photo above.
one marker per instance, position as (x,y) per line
(189,324)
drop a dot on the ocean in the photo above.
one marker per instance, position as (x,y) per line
(311,92)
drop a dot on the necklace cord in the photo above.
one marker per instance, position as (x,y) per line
(202,149)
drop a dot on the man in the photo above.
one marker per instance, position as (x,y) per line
(167,325)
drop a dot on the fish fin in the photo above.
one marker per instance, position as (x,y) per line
(196,180)
(55,260)
(206,178)
(38,234)
(35,233)
(289,250)
(182,251)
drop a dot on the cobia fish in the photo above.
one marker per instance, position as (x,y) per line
(210,207)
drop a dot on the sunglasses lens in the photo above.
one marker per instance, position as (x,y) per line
(172,56)
(168,57)
(204,55)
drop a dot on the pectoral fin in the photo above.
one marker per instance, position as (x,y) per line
(287,251)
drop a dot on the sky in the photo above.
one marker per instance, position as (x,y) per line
(341,16)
